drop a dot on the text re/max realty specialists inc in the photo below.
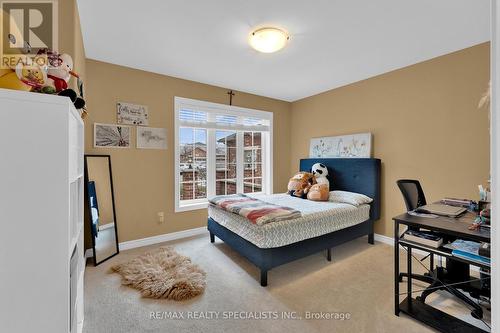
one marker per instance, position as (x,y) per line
(248,315)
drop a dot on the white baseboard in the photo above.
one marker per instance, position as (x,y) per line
(162,238)
(106,226)
(203,230)
(384,239)
(89,253)
(390,241)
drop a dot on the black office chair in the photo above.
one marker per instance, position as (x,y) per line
(412,193)
(414,197)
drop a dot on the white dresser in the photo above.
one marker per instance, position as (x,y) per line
(41,214)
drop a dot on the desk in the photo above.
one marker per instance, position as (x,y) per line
(451,228)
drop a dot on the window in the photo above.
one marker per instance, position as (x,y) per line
(219,150)
(252,159)
(225,162)
(193,163)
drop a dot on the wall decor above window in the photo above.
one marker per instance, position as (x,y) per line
(132,114)
(151,138)
(343,146)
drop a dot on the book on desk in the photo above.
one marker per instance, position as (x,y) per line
(424,237)
(473,251)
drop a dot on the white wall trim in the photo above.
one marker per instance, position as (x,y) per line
(384,239)
(107,226)
(89,253)
(390,241)
(162,238)
(203,230)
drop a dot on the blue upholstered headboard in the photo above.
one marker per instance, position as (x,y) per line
(360,175)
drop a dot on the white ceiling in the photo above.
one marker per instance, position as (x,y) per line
(333,42)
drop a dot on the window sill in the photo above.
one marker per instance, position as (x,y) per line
(192,206)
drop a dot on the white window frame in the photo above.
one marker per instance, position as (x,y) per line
(267,146)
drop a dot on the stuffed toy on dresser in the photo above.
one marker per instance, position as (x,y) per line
(321,190)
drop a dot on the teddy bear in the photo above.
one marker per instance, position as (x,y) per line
(46,72)
(321,190)
(59,73)
(299,184)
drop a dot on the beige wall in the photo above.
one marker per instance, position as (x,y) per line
(425,125)
(144,179)
(424,121)
(70,37)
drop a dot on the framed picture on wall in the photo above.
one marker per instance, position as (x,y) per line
(151,138)
(343,146)
(111,136)
(132,114)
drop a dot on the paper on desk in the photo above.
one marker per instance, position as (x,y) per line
(413,213)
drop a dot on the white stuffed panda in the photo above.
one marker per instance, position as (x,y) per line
(320,172)
(320,191)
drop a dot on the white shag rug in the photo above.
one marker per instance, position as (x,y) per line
(163,273)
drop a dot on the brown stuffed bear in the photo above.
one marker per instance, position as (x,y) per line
(318,192)
(299,185)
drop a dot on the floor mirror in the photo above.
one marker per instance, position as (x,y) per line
(101,207)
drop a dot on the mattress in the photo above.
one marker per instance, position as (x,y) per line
(318,218)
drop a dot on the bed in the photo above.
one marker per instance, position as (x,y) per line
(323,225)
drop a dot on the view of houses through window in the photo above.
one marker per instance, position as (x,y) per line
(225,163)
(193,163)
(220,151)
(252,159)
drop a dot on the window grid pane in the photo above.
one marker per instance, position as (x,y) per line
(225,162)
(193,163)
(247,185)
(200,190)
(252,159)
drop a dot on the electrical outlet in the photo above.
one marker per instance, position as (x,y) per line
(161,217)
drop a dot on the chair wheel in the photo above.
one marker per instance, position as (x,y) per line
(418,298)
(477,314)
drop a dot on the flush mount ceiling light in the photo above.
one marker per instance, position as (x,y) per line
(268,40)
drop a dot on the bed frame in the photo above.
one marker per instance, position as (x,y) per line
(360,175)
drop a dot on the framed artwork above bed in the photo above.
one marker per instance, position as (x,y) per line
(342,146)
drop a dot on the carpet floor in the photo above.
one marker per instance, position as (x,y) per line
(356,287)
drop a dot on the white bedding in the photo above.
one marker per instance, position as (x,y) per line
(318,218)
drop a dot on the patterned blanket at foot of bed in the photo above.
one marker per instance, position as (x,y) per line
(256,211)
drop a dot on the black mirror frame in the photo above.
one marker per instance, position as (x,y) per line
(86,179)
